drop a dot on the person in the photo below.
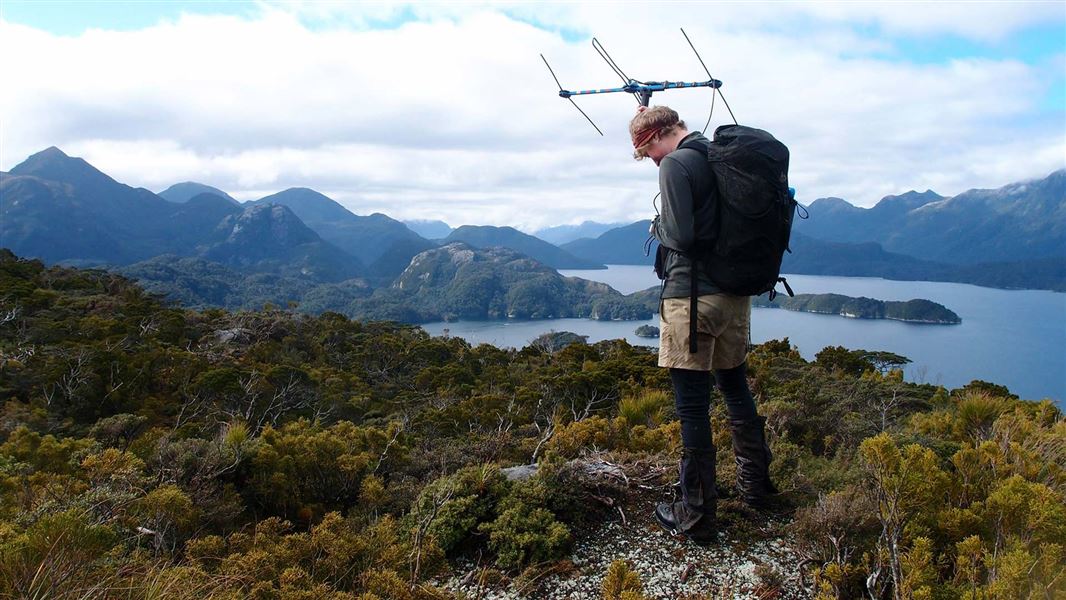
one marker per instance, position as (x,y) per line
(688,197)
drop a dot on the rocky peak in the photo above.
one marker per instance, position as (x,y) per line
(263,222)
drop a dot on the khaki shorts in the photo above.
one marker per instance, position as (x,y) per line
(722,329)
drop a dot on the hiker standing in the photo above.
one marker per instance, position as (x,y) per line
(689,197)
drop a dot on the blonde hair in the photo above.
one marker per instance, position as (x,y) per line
(663,118)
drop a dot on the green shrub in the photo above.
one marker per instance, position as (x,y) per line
(54,556)
(601,433)
(977,411)
(621,582)
(648,408)
(456,504)
(521,536)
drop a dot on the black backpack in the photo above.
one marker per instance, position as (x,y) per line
(754,213)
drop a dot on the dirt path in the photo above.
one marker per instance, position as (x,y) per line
(753,559)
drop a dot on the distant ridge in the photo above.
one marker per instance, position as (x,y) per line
(1013,237)
(429,229)
(183,192)
(383,244)
(561,234)
(486,236)
(619,246)
(1017,222)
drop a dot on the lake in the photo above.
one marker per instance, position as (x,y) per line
(1015,338)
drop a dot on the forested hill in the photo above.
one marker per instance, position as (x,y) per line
(150,451)
(458,281)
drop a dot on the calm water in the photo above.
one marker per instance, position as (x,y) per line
(1014,338)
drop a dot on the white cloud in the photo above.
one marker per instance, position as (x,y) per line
(452,115)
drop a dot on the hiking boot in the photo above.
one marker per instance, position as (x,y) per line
(753,458)
(693,514)
(678,519)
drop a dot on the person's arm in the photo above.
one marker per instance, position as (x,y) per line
(676,228)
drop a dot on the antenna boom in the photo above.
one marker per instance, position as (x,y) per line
(641,90)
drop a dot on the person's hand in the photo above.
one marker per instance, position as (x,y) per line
(641,108)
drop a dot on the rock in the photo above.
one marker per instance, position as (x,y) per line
(519,473)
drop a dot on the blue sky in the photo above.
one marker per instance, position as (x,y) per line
(71,18)
(445,110)
(1031,44)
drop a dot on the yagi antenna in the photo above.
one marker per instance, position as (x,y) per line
(641,90)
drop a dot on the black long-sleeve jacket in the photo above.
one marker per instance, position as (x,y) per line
(688,212)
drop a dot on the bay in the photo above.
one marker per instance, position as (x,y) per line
(1015,338)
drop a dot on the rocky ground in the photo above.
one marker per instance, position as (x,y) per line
(752,560)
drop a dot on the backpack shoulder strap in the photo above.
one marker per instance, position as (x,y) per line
(693,306)
(690,145)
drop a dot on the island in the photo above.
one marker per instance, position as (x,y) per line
(647,331)
(912,311)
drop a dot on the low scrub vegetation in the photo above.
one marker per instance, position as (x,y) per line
(149,451)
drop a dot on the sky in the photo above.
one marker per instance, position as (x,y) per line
(446,110)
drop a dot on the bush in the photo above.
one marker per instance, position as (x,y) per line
(54,556)
(456,504)
(977,411)
(601,433)
(521,537)
(837,530)
(648,408)
(621,582)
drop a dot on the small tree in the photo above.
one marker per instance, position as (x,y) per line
(902,484)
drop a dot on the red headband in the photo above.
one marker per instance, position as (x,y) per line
(644,136)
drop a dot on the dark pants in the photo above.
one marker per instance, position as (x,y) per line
(692,397)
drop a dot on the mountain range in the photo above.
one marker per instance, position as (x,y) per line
(1020,221)
(1013,236)
(62,209)
(195,242)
